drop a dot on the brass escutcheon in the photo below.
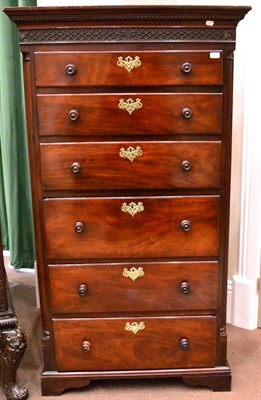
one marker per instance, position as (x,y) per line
(130,153)
(132,208)
(129,63)
(133,273)
(134,327)
(130,105)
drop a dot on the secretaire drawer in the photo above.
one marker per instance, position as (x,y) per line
(130,165)
(131,227)
(128,287)
(129,113)
(133,68)
(135,343)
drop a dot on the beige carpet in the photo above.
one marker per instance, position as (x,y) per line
(244,355)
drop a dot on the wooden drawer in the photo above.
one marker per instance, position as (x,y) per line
(155,113)
(109,228)
(100,68)
(123,165)
(107,344)
(94,288)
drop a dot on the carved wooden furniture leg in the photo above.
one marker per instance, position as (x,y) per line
(14,346)
(12,340)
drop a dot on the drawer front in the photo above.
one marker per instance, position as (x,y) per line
(128,68)
(131,227)
(129,113)
(128,287)
(121,165)
(101,344)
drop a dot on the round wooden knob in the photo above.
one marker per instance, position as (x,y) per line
(70,69)
(83,289)
(73,115)
(79,227)
(186,68)
(184,287)
(186,113)
(86,346)
(184,344)
(185,165)
(75,167)
(185,225)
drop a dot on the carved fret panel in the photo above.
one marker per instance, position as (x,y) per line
(123,34)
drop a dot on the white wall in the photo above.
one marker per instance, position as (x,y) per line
(245,279)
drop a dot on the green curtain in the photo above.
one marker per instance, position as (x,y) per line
(15,198)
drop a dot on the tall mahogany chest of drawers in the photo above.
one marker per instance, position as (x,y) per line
(129,127)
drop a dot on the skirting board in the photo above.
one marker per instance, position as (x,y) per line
(242,302)
(6,255)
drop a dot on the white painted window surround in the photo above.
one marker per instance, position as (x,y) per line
(245,221)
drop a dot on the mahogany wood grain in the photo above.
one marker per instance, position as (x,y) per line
(175,17)
(83,242)
(100,68)
(218,379)
(110,232)
(156,346)
(159,166)
(217,382)
(56,384)
(99,114)
(108,290)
